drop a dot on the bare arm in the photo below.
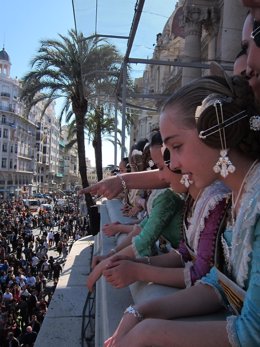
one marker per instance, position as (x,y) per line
(124,272)
(168,270)
(115,228)
(112,186)
(128,240)
(171,259)
(100,267)
(196,300)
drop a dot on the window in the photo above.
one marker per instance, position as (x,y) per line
(4,147)
(11,148)
(11,164)
(4,163)
(3,119)
(15,148)
(5,134)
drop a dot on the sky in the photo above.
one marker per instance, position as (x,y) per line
(25,23)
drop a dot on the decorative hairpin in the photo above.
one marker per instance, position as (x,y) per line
(225,123)
(254,122)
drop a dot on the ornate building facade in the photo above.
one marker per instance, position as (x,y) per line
(197,32)
(30,149)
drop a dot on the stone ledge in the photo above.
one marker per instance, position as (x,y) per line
(62,323)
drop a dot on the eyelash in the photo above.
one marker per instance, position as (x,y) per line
(176,147)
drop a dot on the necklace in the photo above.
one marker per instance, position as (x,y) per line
(235,202)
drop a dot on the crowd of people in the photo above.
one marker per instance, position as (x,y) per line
(33,249)
(210,127)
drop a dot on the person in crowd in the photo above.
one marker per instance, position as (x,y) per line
(124,165)
(204,216)
(211,128)
(165,218)
(11,341)
(29,337)
(35,324)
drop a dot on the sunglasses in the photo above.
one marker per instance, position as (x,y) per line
(255,35)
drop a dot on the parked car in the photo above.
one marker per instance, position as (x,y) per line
(46,207)
(32,204)
(61,202)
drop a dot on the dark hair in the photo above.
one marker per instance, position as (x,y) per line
(235,95)
(127,165)
(156,139)
(140,144)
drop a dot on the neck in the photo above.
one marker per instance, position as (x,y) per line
(235,180)
(193,191)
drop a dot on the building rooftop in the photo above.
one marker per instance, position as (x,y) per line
(4,55)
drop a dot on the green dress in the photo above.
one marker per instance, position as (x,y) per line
(164,220)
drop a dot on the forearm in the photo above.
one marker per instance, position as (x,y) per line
(197,300)
(144,180)
(166,276)
(124,228)
(171,259)
(128,240)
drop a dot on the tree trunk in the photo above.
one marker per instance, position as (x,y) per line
(93,214)
(98,144)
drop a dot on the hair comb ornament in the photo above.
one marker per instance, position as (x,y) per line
(220,126)
(185,180)
(254,122)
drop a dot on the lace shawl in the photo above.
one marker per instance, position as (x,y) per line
(208,200)
(242,237)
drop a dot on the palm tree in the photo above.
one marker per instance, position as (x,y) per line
(67,68)
(98,126)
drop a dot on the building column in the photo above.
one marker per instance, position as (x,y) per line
(192,46)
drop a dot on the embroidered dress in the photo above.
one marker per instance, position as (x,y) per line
(200,231)
(244,262)
(165,220)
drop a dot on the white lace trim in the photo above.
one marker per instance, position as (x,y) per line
(231,331)
(208,200)
(186,271)
(243,235)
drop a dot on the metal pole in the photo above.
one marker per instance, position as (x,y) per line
(123,109)
(115,145)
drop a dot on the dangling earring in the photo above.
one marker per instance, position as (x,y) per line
(223,166)
(185,180)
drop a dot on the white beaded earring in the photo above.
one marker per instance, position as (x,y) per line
(185,180)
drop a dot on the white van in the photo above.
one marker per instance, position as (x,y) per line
(32,204)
